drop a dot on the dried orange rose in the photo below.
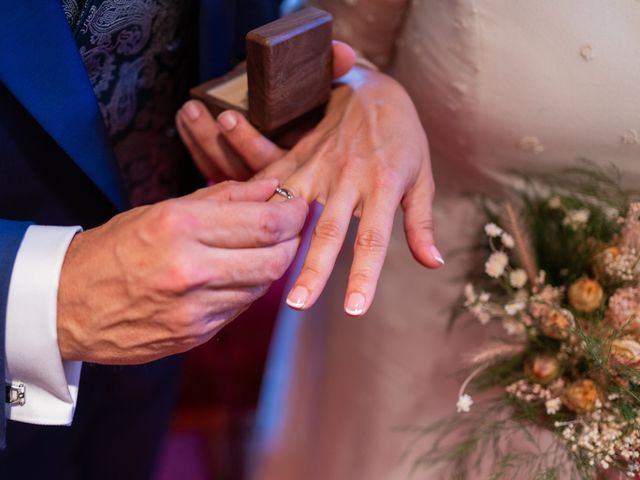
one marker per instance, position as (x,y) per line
(581,396)
(585,295)
(543,369)
(557,324)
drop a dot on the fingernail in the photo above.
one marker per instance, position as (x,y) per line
(228,121)
(355,304)
(192,110)
(435,253)
(297,297)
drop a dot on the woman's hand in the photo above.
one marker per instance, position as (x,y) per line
(368,155)
(212,153)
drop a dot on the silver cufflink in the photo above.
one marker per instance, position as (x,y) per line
(15,394)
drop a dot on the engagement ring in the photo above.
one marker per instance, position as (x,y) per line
(284,192)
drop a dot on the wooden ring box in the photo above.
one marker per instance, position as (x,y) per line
(288,73)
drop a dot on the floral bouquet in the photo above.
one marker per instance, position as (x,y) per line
(561,278)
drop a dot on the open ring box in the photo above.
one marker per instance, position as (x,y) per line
(288,73)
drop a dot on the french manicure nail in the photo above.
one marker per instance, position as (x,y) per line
(435,253)
(355,304)
(297,297)
(228,121)
(192,110)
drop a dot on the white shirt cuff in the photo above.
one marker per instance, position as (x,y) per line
(32,353)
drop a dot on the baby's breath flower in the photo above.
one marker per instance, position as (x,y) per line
(623,310)
(507,240)
(553,406)
(555,202)
(492,230)
(481,313)
(495,265)
(513,327)
(577,218)
(580,216)
(514,307)
(529,392)
(464,403)
(469,295)
(518,278)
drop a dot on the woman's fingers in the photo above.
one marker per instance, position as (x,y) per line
(370,249)
(283,170)
(418,222)
(257,150)
(206,166)
(198,128)
(251,151)
(344,58)
(326,241)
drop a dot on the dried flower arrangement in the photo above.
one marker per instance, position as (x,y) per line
(562,277)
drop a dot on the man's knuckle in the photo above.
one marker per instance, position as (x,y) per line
(172,218)
(239,300)
(269,226)
(277,265)
(245,299)
(188,320)
(184,275)
(177,279)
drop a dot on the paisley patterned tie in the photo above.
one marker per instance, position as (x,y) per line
(140,58)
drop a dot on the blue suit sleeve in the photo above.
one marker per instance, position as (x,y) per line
(11,234)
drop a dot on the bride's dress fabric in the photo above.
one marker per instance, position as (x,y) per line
(517,83)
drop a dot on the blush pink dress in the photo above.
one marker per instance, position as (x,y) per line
(518,83)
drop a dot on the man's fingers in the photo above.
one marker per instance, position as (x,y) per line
(252,191)
(326,241)
(418,223)
(243,224)
(257,150)
(204,267)
(199,128)
(370,249)
(250,266)
(226,303)
(344,58)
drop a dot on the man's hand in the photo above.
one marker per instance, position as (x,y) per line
(368,155)
(162,279)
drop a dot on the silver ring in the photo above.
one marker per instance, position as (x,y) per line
(284,193)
